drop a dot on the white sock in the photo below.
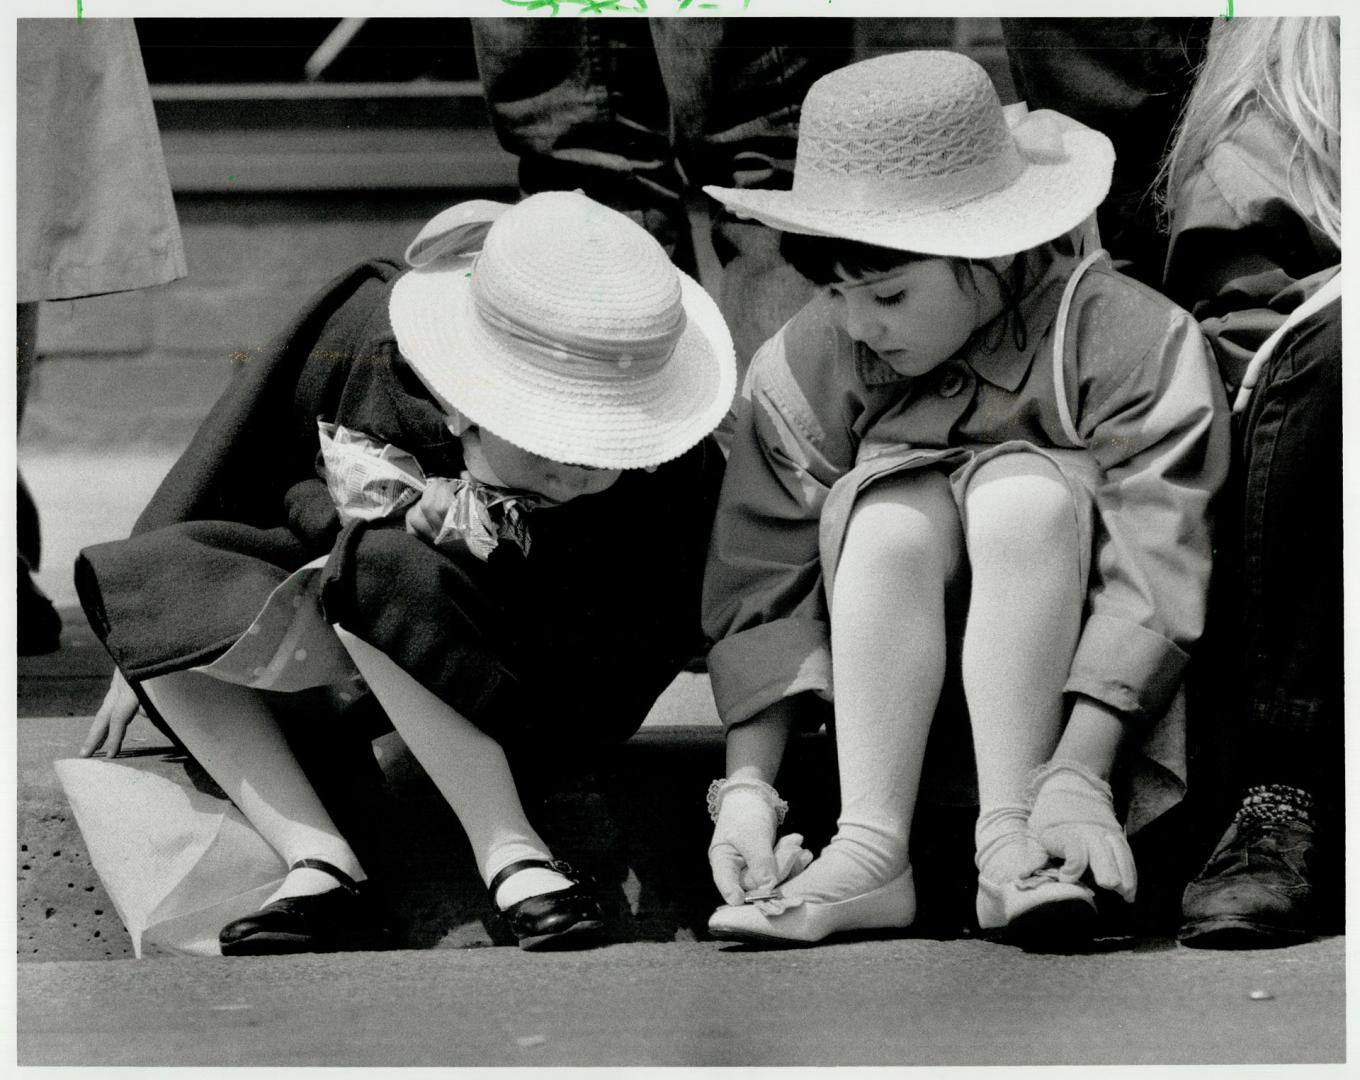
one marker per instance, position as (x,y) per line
(858,860)
(305,881)
(1004,849)
(534,881)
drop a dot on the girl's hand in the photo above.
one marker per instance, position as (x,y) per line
(1073,817)
(741,853)
(111,722)
(426,517)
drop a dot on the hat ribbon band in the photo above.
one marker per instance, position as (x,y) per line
(564,352)
(923,195)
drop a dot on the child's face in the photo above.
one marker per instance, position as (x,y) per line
(561,483)
(917,316)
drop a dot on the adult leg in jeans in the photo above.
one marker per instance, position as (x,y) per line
(1260,884)
(582,104)
(1127,78)
(735,97)
(592,104)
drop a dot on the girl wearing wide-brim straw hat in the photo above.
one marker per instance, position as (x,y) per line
(976,424)
(507,548)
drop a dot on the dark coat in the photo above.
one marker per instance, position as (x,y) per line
(593,623)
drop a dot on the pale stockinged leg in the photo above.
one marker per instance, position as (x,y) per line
(235,736)
(470,770)
(1024,617)
(902,548)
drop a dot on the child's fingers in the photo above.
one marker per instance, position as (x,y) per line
(762,872)
(726,864)
(117,729)
(115,713)
(1104,867)
(1125,866)
(95,738)
(1075,860)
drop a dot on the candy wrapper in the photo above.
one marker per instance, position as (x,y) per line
(370,480)
(482,517)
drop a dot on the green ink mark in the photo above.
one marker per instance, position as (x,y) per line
(230,178)
(606,7)
(80,9)
(1229,13)
(468,274)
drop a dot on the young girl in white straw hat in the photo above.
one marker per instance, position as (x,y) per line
(507,532)
(972,425)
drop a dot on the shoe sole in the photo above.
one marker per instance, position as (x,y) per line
(576,936)
(1238,932)
(751,937)
(288,945)
(1060,926)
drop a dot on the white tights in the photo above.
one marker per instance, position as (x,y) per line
(904,547)
(235,736)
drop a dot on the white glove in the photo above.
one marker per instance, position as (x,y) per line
(743,854)
(1073,817)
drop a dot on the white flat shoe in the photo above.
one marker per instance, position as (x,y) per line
(805,922)
(1038,909)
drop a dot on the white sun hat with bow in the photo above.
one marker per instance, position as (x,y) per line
(914,151)
(569,333)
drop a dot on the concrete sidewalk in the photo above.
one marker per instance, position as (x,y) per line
(897,1003)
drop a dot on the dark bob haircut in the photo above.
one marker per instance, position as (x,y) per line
(824,260)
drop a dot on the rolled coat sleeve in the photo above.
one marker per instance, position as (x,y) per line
(764,602)
(1160,434)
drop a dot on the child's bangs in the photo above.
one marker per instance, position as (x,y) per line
(825,260)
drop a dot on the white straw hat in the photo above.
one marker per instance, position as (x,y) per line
(570,335)
(914,151)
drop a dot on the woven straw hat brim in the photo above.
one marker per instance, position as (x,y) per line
(600,419)
(1045,201)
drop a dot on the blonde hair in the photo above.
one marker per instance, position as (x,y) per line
(1289,70)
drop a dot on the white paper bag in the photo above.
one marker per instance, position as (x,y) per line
(178,864)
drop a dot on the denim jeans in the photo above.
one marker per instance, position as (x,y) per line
(1289,441)
(1127,78)
(633,111)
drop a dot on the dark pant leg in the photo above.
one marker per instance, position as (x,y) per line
(582,104)
(1127,78)
(1290,440)
(736,88)
(28,537)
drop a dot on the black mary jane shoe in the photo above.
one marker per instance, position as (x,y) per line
(568,918)
(337,920)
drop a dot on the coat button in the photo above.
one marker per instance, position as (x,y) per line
(951,382)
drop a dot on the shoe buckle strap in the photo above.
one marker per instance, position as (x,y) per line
(557,865)
(346,882)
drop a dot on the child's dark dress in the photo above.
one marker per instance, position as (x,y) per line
(585,631)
